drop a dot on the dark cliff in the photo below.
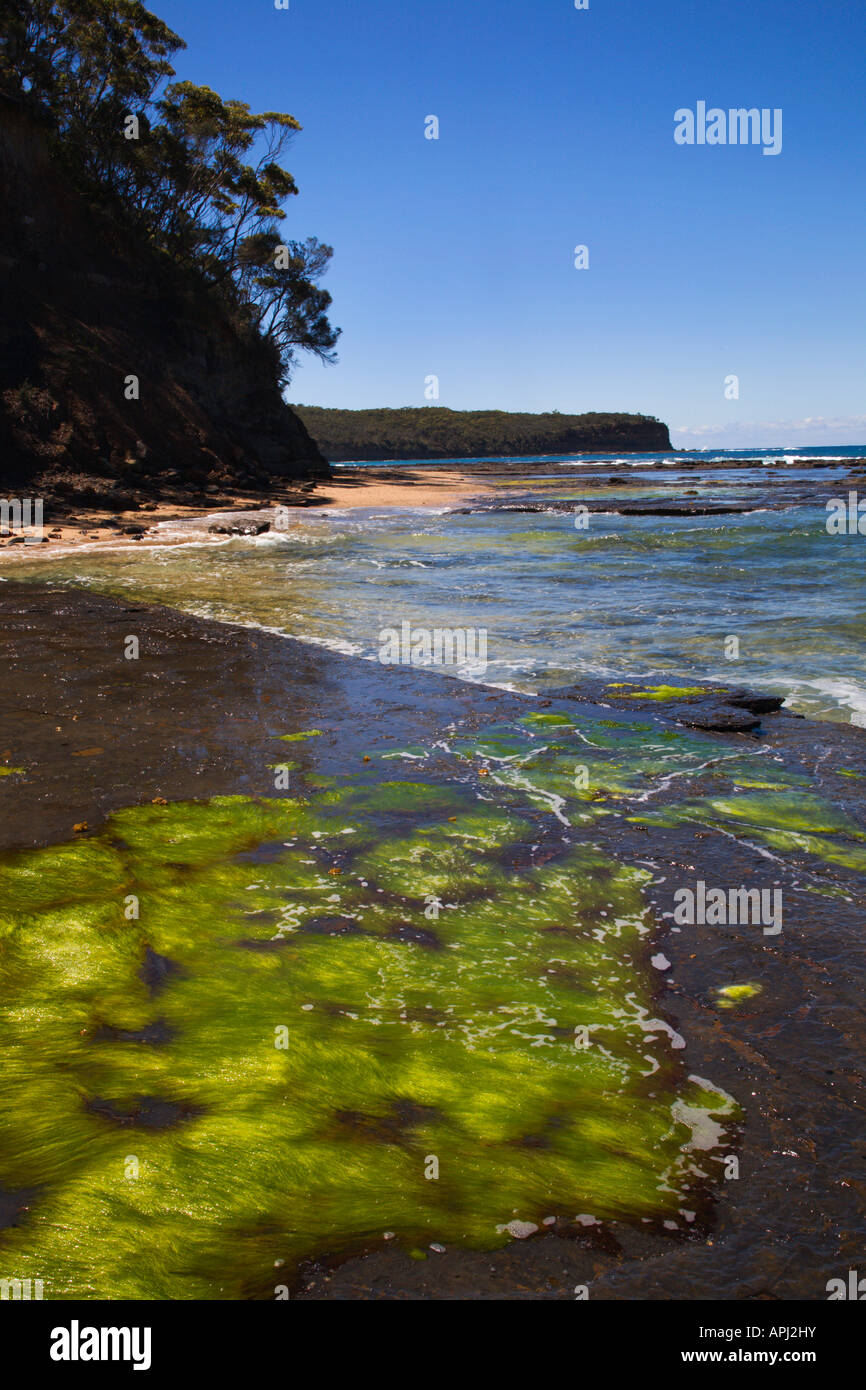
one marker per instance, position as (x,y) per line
(86,305)
(433,432)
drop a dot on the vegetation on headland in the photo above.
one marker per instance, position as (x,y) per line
(153,305)
(436,432)
(198,176)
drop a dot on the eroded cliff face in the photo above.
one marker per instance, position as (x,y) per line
(85,309)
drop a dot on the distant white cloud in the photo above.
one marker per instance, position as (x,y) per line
(811,431)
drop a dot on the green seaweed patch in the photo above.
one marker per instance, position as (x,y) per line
(666,692)
(729,996)
(747,784)
(407,798)
(12,772)
(296,738)
(604,762)
(234,1032)
(544,720)
(790,821)
(64,874)
(827,890)
(497,746)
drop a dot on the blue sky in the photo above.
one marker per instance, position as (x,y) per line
(455,257)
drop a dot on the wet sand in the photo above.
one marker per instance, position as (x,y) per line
(196,717)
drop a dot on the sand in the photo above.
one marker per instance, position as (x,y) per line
(368,487)
(401,487)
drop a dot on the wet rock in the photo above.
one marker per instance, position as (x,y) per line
(758,704)
(417,936)
(717,718)
(156,1034)
(144,1112)
(157,970)
(15,1205)
(333,926)
(684,509)
(239,528)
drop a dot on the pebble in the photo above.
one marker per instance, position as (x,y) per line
(521,1230)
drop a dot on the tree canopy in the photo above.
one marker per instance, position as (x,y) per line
(436,432)
(201,176)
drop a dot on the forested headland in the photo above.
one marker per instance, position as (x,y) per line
(434,432)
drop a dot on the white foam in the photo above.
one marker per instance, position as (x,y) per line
(847,693)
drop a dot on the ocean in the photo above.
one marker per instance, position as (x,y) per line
(630,598)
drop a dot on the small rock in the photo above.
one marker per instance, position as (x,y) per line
(521,1230)
(239,528)
(757,704)
(718,718)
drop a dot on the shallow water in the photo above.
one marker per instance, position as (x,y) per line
(630,597)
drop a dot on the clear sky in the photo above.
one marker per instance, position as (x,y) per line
(455,257)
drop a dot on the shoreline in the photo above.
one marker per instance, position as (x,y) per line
(90,528)
(374,486)
(210,698)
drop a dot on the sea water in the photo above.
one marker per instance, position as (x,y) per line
(644,598)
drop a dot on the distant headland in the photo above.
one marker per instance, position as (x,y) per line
(434,432)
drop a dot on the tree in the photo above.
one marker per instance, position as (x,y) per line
(202,176)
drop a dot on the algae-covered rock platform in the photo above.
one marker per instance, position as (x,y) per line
(324,981)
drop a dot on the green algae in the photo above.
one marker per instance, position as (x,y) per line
(601,768)
(548,719)
(666,692)
(311,999)
(296,738)
(791,821)
(591,766)
(656,692)
(740,991)
(827,890)
(732,995)
(62,875)
(12,772)
(442,992)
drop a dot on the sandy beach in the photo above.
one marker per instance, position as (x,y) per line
(355,487)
